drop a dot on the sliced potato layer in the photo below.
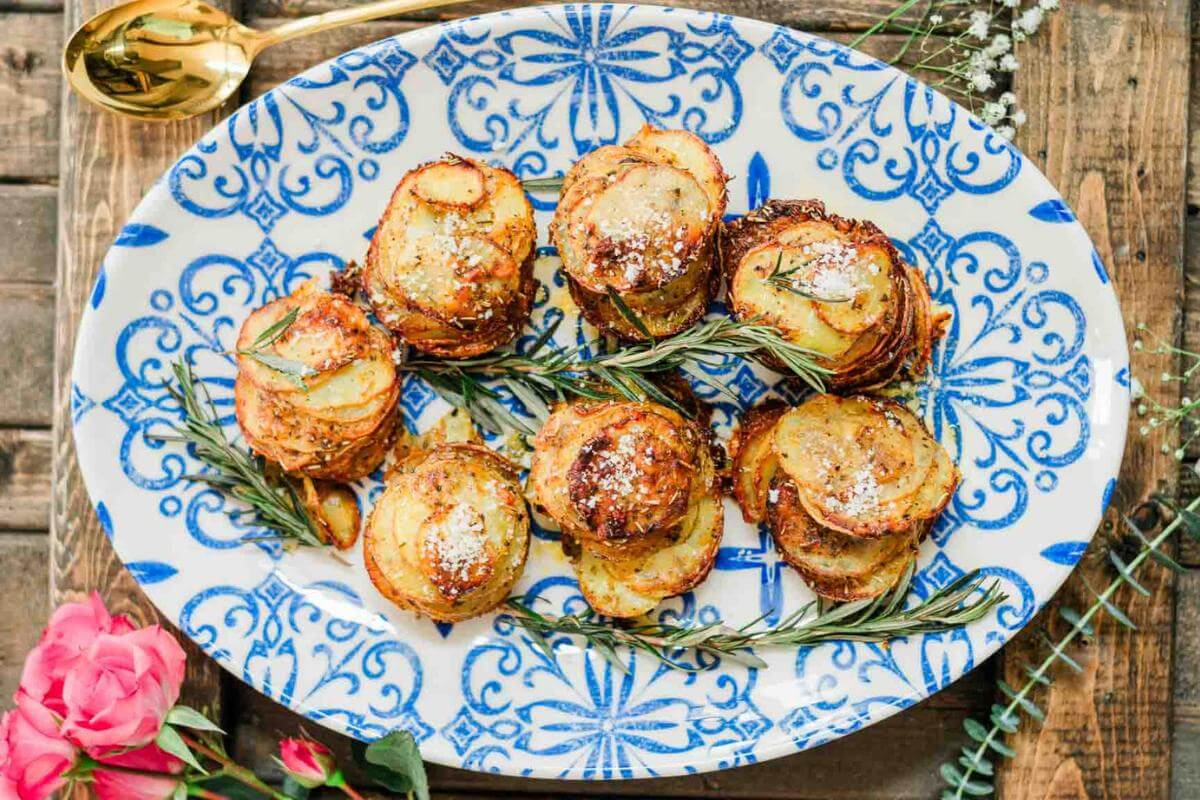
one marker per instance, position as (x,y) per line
(319,397)
(449,535)
(633,487)
(450,267)
(639,221)
(835,286)
(847,487)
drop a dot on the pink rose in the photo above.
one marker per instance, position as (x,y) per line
(109,785)
(309,763)
(71,629)
(33,753)
(120,689)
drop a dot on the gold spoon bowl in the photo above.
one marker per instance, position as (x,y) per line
(174,59)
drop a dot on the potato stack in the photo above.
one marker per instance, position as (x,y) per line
(449,535)
(450,267)
(639,221)
(848,487)
(633,487)
(835,286)
(319,397)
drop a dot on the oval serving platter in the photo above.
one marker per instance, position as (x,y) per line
(1029,389)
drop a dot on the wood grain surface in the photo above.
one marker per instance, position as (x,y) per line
(1110,85)
(1106,92)
(108,163)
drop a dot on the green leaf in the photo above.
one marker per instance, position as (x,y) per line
(1191,522)
(294,371)
(951,775)
(1030,707)
(542,184)
(1035,676)
(627,312)
(1003,719)
(186,717)
(395,763)
(180,792)
(293,789)
(975,729)
(171,742)
(1000,747)
(972,759)
(1126,573)
(1168,562)
(1072,617)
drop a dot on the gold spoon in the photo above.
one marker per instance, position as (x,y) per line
(174,59)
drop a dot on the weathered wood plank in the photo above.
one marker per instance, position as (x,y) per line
(29,92)
(24,481)
(895,759)
(1110,85)
(26,603)
(277,65)
(28,219)
(27,357)
(108,164)
(1185,761)
(847,15)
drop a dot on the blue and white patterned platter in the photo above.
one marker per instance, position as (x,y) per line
(1029,389)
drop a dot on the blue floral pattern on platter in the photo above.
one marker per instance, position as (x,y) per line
(1029,387)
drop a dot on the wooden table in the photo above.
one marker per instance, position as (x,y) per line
(1109,99)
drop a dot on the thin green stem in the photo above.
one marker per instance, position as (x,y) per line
(233,769)
(883,23)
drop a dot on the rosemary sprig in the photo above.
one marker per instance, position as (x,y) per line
(295,371)
(546,374)
(236,472)
(970,777)
(874,620)
(785,279)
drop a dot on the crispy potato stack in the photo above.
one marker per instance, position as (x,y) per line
(340,426)
(847,486)
(450,267)
(639,220)
(449,535)
(833,285)
(633,487)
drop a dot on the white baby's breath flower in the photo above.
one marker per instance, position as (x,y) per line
(1029,20)
(978,27)
(1019,35)
(1136,390)
(1006,131)
(999,45)
(935,19)
(1008,98)
(991,113)
(1009,63)
(1018,117)
(1010,3)
(982,81)
(1048,5)
(981,62)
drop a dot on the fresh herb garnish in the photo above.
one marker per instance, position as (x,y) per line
(874,620)
(295,371)
(236,472)
(786,279)
(544,374)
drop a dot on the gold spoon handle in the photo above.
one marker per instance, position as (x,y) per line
(345,16)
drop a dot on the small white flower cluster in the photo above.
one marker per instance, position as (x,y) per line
(993,56)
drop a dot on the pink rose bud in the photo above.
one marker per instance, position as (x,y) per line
(72,628)
(309,763)
(33,753)
(119,691)
(110,785)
